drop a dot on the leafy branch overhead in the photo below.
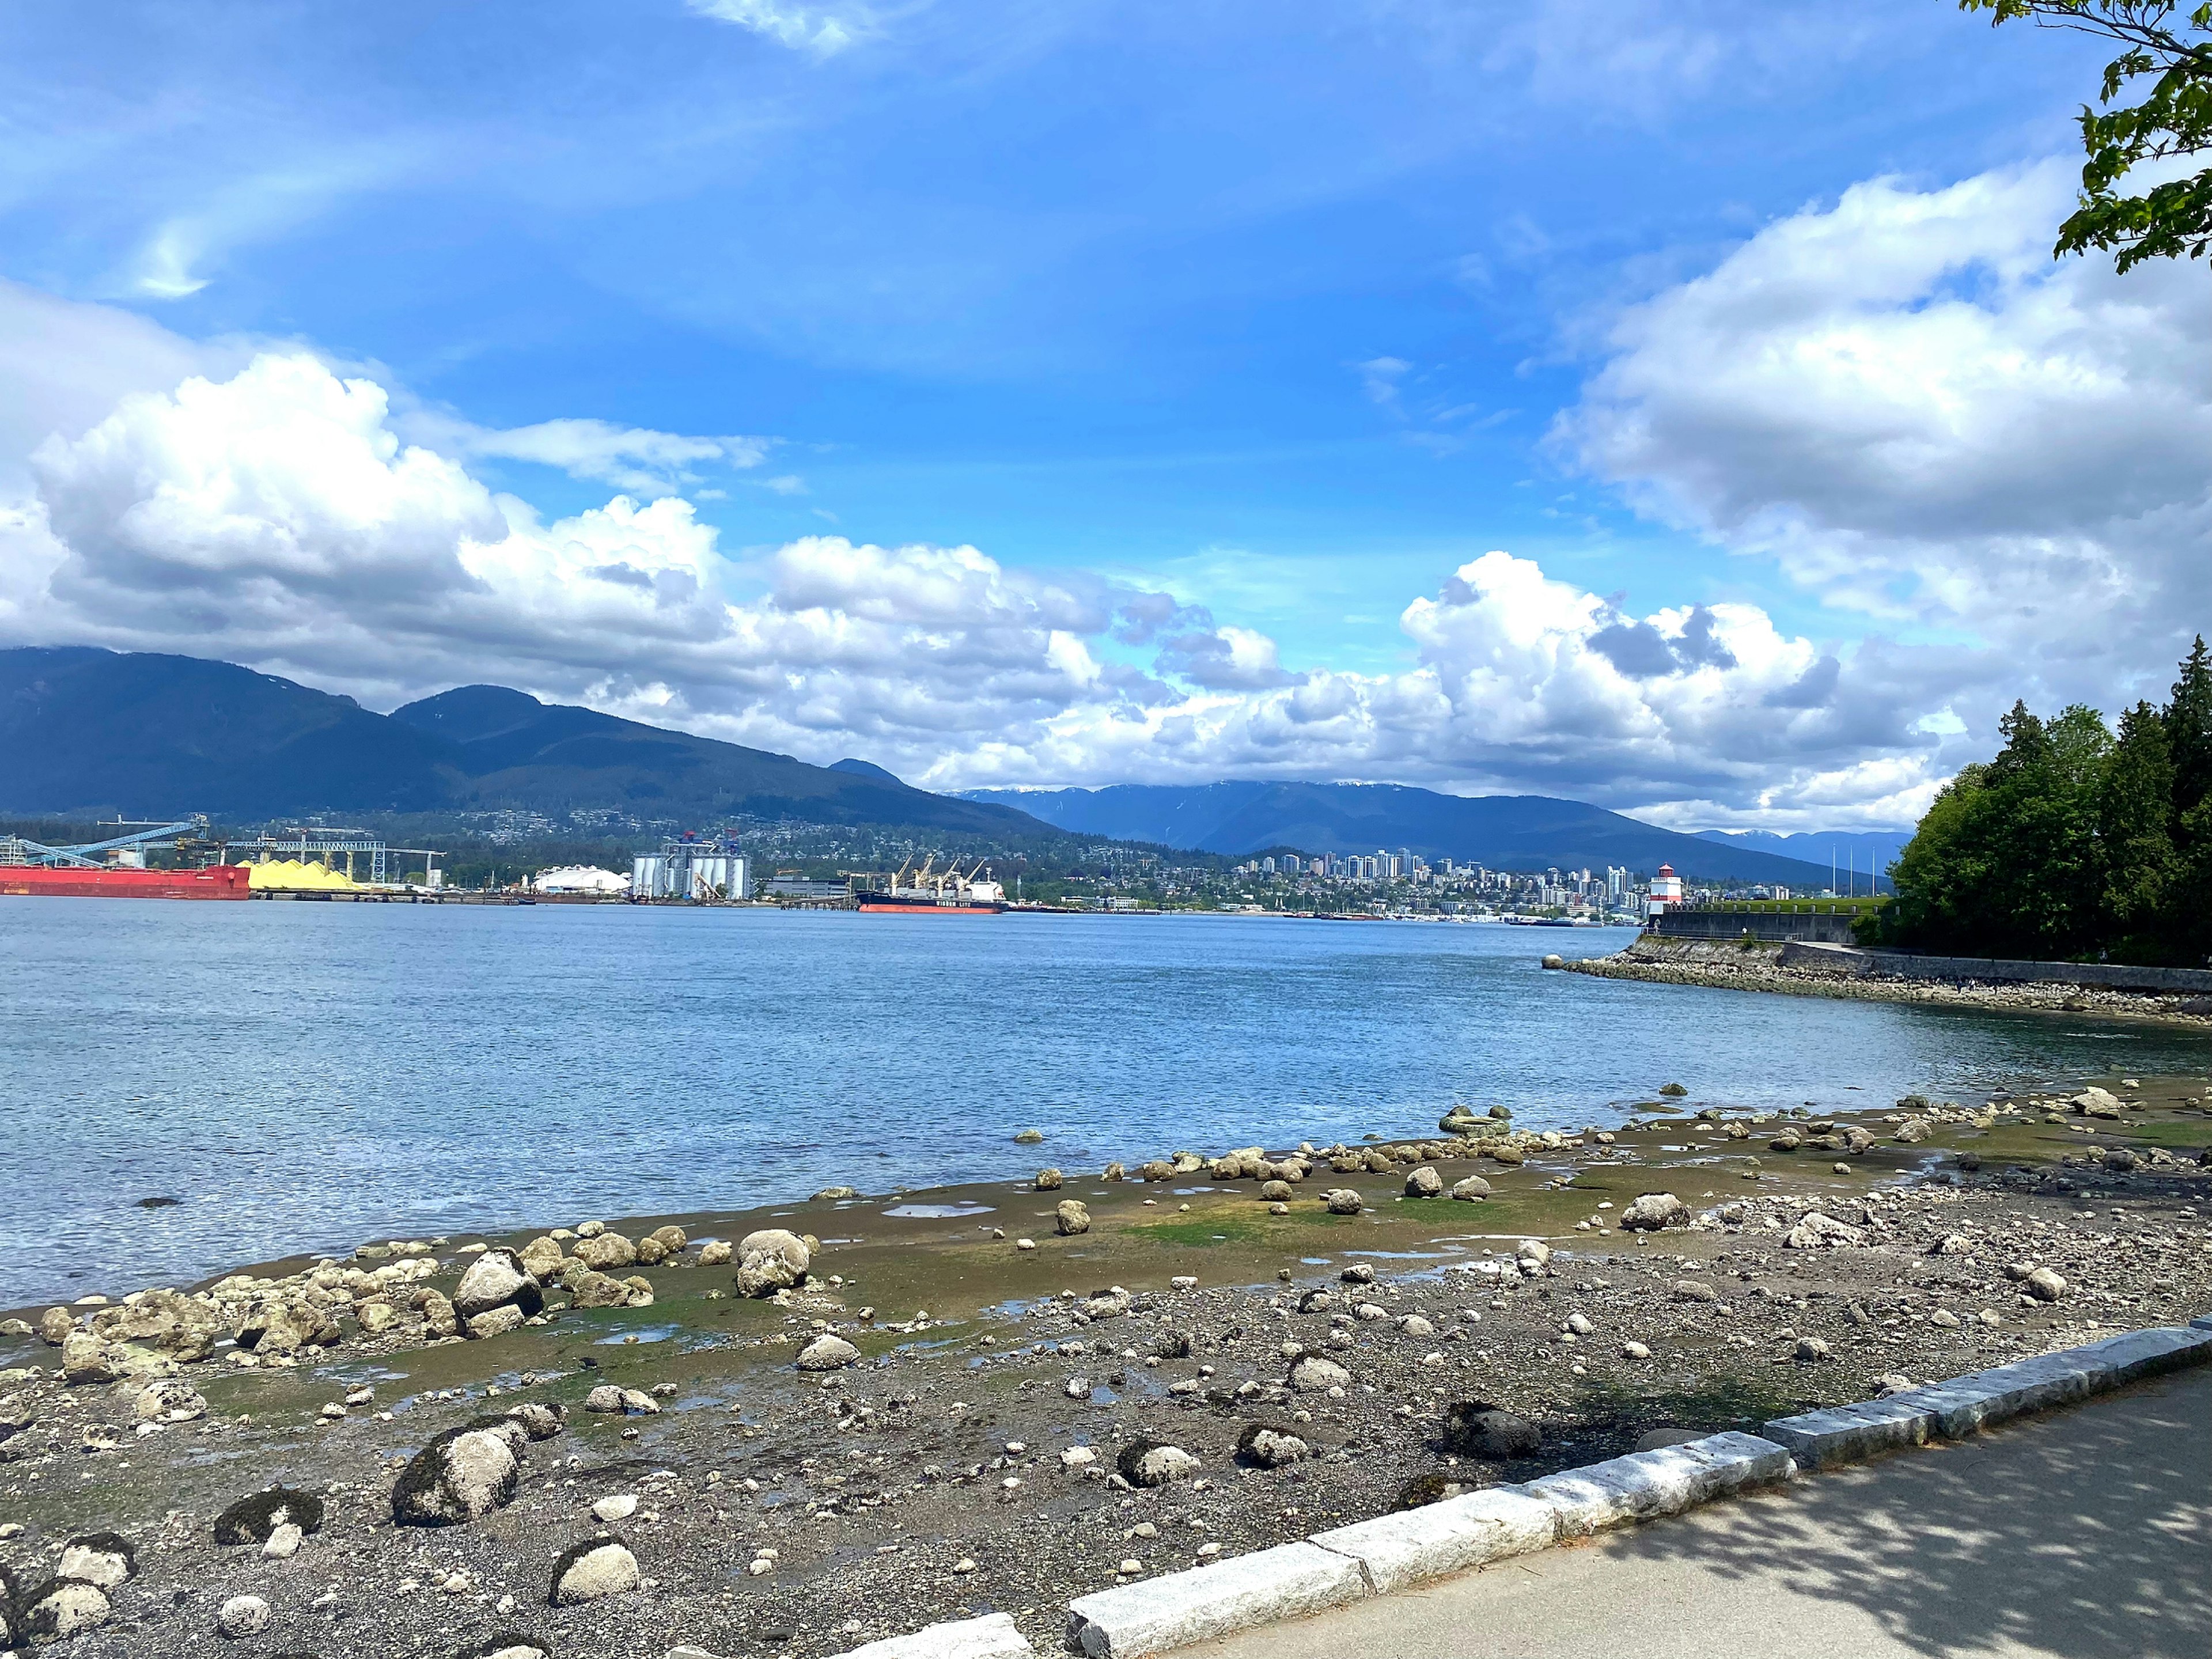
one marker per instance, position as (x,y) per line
(2157,38)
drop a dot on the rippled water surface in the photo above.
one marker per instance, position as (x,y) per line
(307,1076)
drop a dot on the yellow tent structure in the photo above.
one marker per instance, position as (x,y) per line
(290,875)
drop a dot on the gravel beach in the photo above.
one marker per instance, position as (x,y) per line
(794,1430)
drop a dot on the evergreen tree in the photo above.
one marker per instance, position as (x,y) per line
(2188,721)
(2135,813)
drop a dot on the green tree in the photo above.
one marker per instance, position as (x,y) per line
(2135,813)
(2188,721)
(2157,38)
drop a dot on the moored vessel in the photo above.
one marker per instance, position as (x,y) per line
(948,893)
(216,881)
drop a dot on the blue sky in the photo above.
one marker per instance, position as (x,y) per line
(1287,312)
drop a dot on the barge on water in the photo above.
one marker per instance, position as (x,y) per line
(216,881)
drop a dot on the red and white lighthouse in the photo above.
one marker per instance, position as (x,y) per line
(1666,890)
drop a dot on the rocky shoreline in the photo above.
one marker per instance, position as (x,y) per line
(798,1429)
(1755,965)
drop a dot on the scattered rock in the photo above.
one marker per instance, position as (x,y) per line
(495,1279)
(462,1475)
(827,1352)
(252,1519)
(620,1506)
(1029,1137)
(1660,1439)
(2045,1286)
(540,1419)
(102,1559)
(1342,1201)
(1818,1232)
(1314,1374)
(1692,1290)
(1271,1448)
(1425,1183)
(592,1569)
(771,1260)
(243,1616)
(1811,1350)
(606,1252)
(834,1194)
(60,1608)
(1653,1211)
(1471,1188)
(169,1400)
(1153,1463)
(1071,1217)
(1475,1428)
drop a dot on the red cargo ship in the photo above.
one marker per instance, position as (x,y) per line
(217,881)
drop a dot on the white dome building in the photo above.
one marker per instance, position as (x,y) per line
(580,878)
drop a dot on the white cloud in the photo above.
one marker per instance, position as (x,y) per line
(820,31)
(636,459)
(1907,406)
(277,518)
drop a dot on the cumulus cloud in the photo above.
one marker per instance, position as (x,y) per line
(822,32)
(278,518)
(1902,403)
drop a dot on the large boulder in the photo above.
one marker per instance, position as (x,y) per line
(463,1475)
(1071,1217)
(1341,1200)
(497,1279)
(590,1569)
(587,1289)
(58,1609)
(1818,1231)
(1425,1183)
(253,1518)
(104,1559)
(1271,1448)
(605,1253)
(1150,1463)
(85,1359)
(771,1260)
(827,1353)
(1471,1189)
(169,1400)
(1653,1210)
(540,1258)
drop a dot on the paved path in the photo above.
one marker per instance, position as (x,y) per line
(2083,1533)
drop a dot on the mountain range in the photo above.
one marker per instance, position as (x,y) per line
(1506,832)
(85,732)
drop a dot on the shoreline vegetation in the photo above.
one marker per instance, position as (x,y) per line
(793,1430)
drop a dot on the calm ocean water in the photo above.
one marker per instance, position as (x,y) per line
(306,1076)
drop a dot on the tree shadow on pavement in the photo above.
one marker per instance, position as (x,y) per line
(2088,1533)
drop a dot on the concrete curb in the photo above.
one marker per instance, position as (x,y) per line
(1621,1490)
(1155,1615)
(1946,1410)
(990,1638)
(1397,1551)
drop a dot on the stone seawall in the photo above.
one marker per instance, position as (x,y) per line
(1992,970)
(1798,969)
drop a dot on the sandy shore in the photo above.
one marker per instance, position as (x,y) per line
(969,1456)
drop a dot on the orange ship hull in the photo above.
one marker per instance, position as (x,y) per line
(218,881)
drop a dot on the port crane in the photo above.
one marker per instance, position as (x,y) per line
(20,849)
